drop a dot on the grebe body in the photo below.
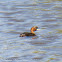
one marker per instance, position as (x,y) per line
(34,28)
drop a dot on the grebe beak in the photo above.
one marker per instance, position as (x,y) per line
(38,29)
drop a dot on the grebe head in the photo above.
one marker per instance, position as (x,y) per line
(34,28)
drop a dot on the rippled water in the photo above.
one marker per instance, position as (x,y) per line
(19,16)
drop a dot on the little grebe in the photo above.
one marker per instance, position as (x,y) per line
(34,28)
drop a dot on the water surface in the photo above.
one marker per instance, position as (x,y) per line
(19,16)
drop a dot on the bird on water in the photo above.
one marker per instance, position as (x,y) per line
(32,33)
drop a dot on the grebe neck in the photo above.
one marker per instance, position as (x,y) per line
(32,30)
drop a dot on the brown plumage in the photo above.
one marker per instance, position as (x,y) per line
(34,28)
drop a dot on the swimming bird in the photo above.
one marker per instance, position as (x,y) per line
(32,33)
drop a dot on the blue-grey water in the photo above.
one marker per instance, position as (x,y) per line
(18,16)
